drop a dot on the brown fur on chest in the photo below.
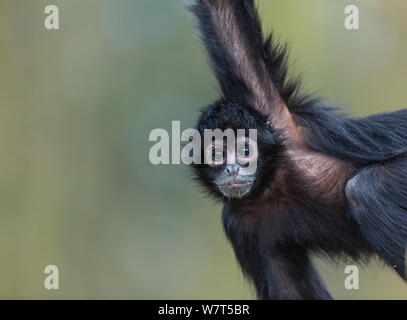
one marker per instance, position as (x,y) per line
(323,176)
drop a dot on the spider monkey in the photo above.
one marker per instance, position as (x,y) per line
(325,183)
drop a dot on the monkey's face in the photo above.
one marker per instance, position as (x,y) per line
(240,160)
(232,167)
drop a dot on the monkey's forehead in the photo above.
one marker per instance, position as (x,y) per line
(223,141)
(224,115)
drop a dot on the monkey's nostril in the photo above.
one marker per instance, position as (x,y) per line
(233,171)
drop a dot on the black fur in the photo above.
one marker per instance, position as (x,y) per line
(332,185)
(362,141)
(233,87)
(377,200)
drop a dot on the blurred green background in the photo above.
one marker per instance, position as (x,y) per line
(77,105)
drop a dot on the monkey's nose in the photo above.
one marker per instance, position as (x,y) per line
(232,170)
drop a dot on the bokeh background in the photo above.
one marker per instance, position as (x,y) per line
(76,108)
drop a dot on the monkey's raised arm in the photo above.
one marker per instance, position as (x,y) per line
(249,70)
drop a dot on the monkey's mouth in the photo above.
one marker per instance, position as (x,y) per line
(235,188)
(236,184)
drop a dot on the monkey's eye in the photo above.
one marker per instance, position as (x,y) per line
(215,154)
(218,155)
(245,151)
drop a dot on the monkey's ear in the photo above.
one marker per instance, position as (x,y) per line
(232,35)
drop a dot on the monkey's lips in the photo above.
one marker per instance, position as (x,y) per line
(235,188)
(236,184)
